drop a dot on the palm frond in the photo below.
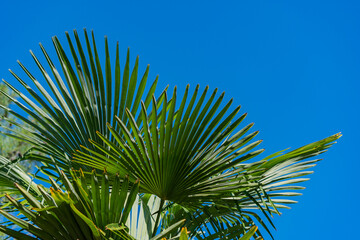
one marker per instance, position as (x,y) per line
(80,101)
(189,159)
(280,171)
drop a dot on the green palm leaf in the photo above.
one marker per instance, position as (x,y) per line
(78,102)
(188,159)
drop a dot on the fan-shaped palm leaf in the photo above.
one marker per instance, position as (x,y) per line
(80,101)
(181,157)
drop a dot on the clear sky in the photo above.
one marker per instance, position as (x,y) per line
(294,67)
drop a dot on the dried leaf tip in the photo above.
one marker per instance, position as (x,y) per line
(338,135)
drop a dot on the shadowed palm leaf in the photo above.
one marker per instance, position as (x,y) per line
(10,173)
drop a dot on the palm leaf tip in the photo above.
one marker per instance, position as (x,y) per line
(282,170)
(304,152)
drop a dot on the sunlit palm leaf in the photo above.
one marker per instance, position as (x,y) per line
(280,171)
(188,159)
(80,100)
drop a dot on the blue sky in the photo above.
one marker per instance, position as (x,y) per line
(294,67)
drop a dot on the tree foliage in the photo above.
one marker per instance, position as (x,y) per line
(169,162)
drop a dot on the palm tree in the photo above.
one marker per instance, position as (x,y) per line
(168,163)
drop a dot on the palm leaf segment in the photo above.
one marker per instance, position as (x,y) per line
(80,101)
(10,173)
